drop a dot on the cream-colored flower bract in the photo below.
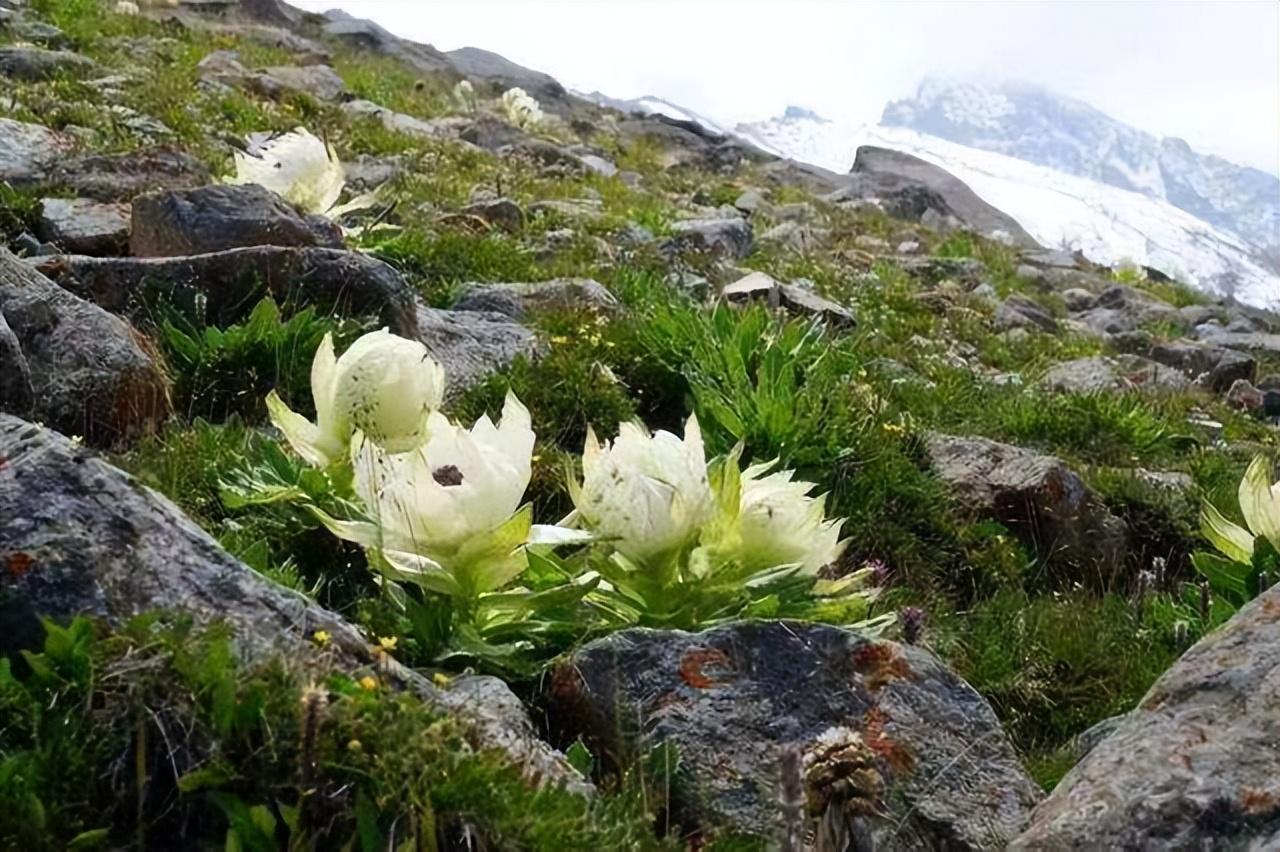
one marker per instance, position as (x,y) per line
(522,109)
(648,493)
(127,7)
(778,523)
(1260,505)
(464,95)
(383,385)
(299,167)
(448,515)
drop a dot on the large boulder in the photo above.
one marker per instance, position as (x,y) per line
(80,537)
(222,216)
(1196,765)
(471,345)
(33,64)
(318,81)
(222,287)
(85,226)
(729,237)
(91,373)
(28,151)
(910,188)
(1215,367)
(925,763)
(491,68)
(120,177)
(1099,373)
(794,298)
(1037,497)
(515,299)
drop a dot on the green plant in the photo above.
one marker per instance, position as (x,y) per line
(1248,558)
(219,372)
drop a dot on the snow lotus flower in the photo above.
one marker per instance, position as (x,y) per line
(648,493)
(383,385)
(448,515)
(464,95)
(521,108)
(297,166)
(778,523)
(1260,505)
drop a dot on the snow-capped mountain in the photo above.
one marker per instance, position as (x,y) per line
(1110,225)
(1033,124)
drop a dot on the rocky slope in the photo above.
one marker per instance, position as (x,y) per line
(1017,438)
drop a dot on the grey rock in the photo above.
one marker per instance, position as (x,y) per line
(29,151)
(967,271)
(472,345)
(750,201)
(554,160)
(16,395)
(84,226)
(102,544)
(939,771)
(321,82)
(1038,497)
(582,209)
(516,299)
(1194,765)
(1021,312)
(1194,315)
(365,172)
(366,35)
(305,51)
(729,238)
(491,134)
(1256,342)
(796,236)
(597,164)
(795,298)
(398,122)
(120,177)
(221,216)
(1243,395)
(501,212)
(796,211)
(910,188)
(908,247)
(687,143)
(222,287)
(1100,373)
(34,64)
(91,373)
(1214,367)
(490,67)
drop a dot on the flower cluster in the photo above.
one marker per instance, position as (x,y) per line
(521,108)
(464,96)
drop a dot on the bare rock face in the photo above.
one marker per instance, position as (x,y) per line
(84,226)
(91,373)
(471,345)
(1195,766)
(1038,497)
(1099,374)
(921,760)
(28,151)
(729,237)
(514,299)
(218,217)
(793,297)
(15,376)
(120,177)
(80,537)
(33,64)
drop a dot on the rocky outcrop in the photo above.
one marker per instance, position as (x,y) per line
(218,217)
(471,345)
(1195,766)
(16,395)
(28,151)
(933,768)
(1100,373)
(120,177)
(910,188)
(516,299)
(91,373)
(80,537)
(221,288)
(318,81)
(1037,497)
(84,226)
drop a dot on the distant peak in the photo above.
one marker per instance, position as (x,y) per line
(798,112)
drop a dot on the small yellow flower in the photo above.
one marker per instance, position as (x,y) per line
(355,745)
(536,457)
(610,344)
(440,678)
(368,683)
(321,638)
(387,643)
(894,428)
(559,339)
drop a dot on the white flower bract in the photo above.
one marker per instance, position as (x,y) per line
(383,385)
(778,523)
(1260,506)
(297,166)
(522,109)
(649,494)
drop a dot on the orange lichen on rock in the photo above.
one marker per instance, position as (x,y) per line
(879,664)
(692,663)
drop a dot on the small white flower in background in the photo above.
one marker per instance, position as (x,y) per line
(521,108)
(1260,506)
(464,95)
(383,385)
(448,515)
(300,168)
(778,523)
(127,7)
(648,493)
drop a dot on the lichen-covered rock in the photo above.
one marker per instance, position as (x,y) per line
(515,299)
(729,237)
(89,540)
(1196,765)
(218,217)
(92,374)
(85,226)
(222,287)
(1037,496)
(939,772)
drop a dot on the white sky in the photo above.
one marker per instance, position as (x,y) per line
(1206,71)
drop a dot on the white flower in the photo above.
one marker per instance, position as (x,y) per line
(521,108)
(297,166)
(127,7)
(464,95)
(779,524)
(383,385)
(1260,505)
(649,493)
(448,515)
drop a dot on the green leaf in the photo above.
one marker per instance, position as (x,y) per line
(1231,579)
(580,758)
(214,775)
(89,839)
(1232,540)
